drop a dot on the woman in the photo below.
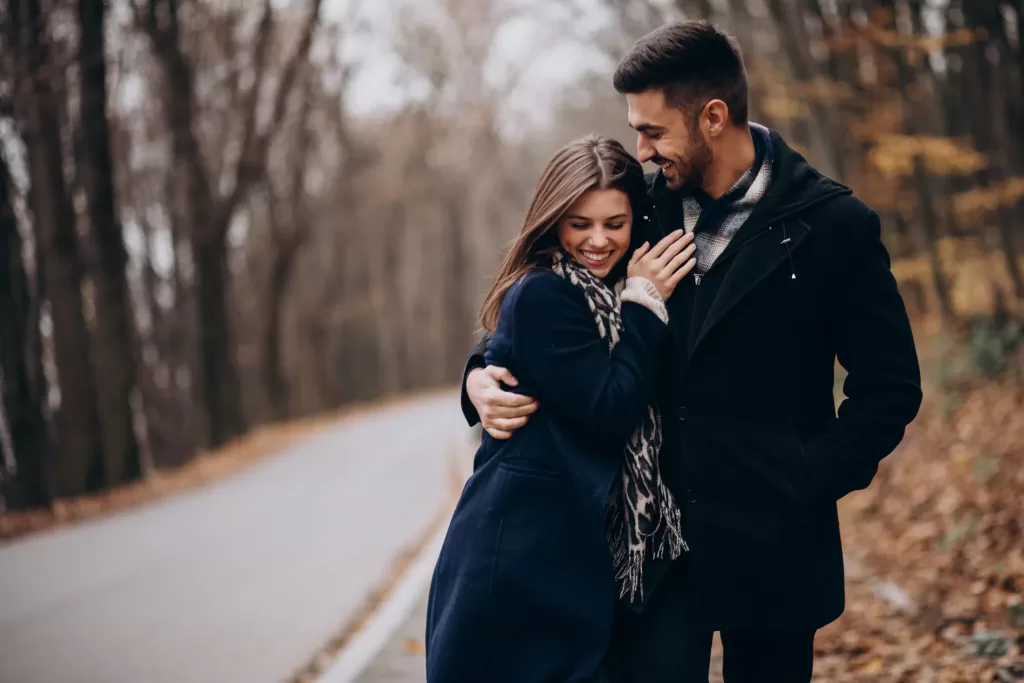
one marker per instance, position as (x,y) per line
(556,522)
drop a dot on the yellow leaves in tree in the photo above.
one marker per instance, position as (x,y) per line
(979,201)
(894,155)
(886,37)
(886,117)
(823,90)
(784,108)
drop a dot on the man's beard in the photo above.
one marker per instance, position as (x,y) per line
(692,170)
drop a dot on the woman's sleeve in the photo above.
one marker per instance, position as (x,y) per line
(475,360)
(558,347)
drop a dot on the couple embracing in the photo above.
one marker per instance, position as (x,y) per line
(662,454)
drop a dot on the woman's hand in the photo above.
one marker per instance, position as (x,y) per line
(665,264)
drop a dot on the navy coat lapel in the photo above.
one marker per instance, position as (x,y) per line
(755,258)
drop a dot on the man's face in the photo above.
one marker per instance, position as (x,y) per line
(666,138)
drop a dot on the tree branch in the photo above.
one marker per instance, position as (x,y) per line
(253,156)
(251,102)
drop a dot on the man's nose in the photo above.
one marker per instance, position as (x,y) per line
(644,149)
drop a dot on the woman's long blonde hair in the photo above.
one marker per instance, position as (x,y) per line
(592,162)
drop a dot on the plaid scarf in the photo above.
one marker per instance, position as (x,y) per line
(641,511)
(726,215)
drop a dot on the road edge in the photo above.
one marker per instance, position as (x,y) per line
(367,643)
(345,656)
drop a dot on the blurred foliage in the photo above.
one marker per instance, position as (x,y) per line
(988,349)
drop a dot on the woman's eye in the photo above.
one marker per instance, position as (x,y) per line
(616,226)
(580,226)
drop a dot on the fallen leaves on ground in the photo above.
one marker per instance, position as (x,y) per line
(943,520)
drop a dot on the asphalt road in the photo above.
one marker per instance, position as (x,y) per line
(242,580)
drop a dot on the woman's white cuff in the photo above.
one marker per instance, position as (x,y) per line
(642,291)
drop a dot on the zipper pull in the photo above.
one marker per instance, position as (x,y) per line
(696,280)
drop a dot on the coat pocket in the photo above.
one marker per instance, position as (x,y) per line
(538,516)
(754,468)
(529,468)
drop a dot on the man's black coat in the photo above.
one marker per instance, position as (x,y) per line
(754,449)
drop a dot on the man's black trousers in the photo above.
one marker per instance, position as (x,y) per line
(659,646)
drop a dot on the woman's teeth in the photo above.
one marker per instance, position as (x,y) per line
(593,256)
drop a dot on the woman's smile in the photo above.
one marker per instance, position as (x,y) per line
(596,230)
(595,257)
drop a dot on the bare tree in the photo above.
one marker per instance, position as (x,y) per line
(38,112)
(20,368)
(113,350)
(290,219)
(210,213)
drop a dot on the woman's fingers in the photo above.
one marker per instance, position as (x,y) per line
(673,249)
(678,276)
(640,251)
(679,259)
(666,242)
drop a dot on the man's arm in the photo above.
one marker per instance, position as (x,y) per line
(876,346)
(500,412)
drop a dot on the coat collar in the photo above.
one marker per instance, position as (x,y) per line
(757,247)
(754,260)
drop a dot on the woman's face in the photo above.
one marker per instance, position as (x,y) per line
(596,230)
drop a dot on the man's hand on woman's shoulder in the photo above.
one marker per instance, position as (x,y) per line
(501,412)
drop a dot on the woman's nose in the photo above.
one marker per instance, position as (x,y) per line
(598,240)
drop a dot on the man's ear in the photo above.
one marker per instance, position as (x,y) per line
(715,117)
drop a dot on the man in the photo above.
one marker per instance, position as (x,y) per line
(791,275)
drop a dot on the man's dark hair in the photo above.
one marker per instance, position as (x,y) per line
(693,62)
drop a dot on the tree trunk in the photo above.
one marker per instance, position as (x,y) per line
(926,220)
(114,352)
(210,213)
(457,313)
(1006,222)
(274,376)
(20,364)
(218,385)
(57,245)
(823,137)
(218,379)
(925,215)
(984,78)
(1019,11)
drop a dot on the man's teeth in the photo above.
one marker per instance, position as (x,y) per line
(595,256)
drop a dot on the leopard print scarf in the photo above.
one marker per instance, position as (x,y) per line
(641,511)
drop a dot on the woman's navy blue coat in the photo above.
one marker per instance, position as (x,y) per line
(523,591)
